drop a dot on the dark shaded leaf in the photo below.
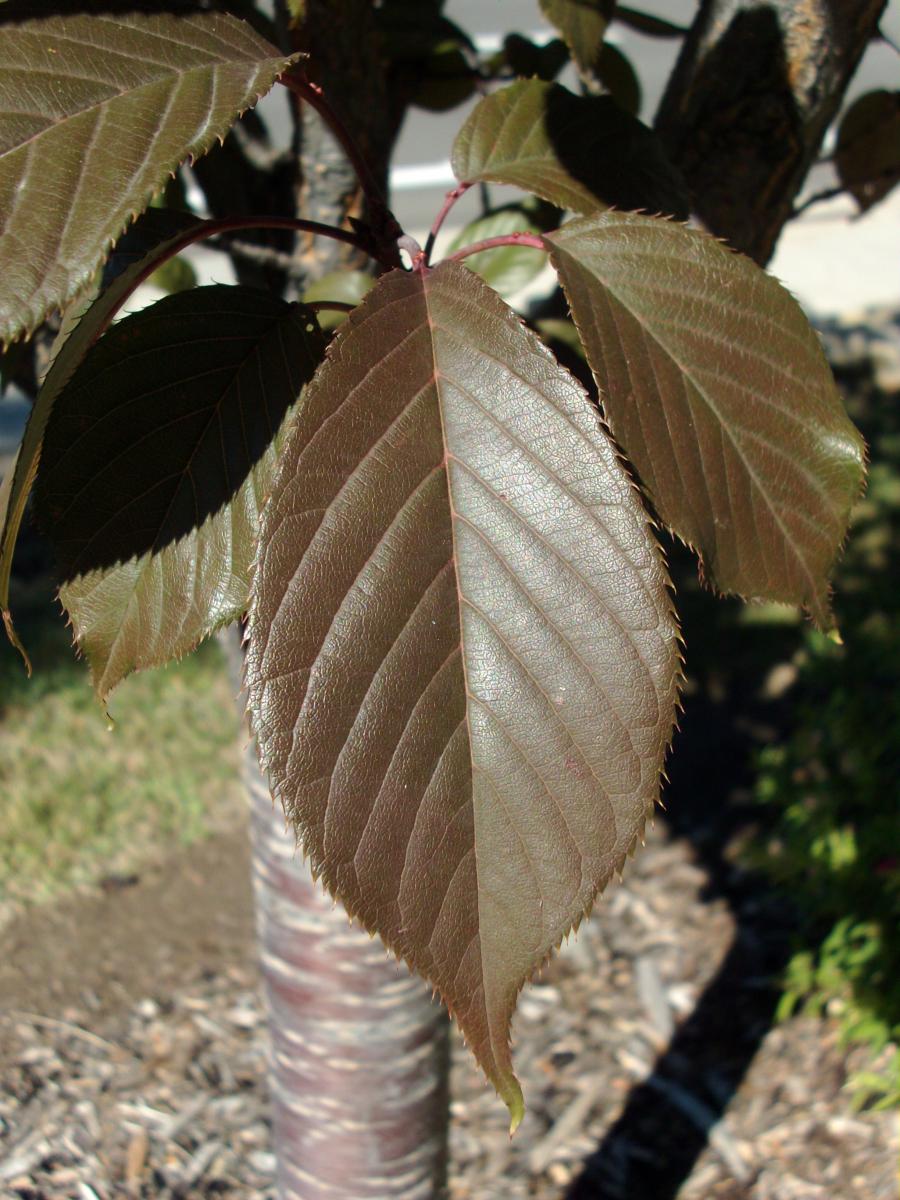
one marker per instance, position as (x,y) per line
(157,232)
(583,26)
(509,268)
(579,152)
(648,24)
(617,75)
(95,113)
(411,31)
(446,79)
(529,60)
(462,661)
(717,389)
(156,460)
(867,155)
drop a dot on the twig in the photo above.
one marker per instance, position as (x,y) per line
(494,243)
(330,306)
(303,87)
(265,255)
(817,198)
(449,200)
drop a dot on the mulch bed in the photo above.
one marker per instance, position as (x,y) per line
(634,1088)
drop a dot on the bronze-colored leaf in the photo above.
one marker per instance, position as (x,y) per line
(157,458)
(583,26)
(462,660)
(717,389)
(96,112)
(578,152)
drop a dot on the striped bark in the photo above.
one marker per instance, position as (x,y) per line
(358,1074)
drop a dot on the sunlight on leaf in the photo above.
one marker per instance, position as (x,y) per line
(462,659)
(716,387)
(579,152)
(96,112)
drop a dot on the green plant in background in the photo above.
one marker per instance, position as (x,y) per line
(830,789)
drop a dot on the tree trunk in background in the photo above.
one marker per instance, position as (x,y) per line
(359,1066)
(756,86)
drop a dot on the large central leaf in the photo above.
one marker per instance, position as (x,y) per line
(95,113)
(462,662)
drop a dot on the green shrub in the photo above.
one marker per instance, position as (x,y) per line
(832,789)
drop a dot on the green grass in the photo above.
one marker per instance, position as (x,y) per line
(81,800)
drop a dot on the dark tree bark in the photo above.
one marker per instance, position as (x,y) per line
(756,86)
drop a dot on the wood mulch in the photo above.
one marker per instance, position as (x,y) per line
(133,1050)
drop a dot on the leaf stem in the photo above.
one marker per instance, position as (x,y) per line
(449,200)
(329,306)
(219,225)
(506,239)
(300,225)
(304,89)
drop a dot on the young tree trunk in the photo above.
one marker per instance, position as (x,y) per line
(358,1074)
(359,1067)
(754,90)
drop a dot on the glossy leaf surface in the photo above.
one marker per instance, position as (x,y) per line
(716,387)
(583,26)
(462,661)
(95,113)
(156,461)
(578,152)
(158,232)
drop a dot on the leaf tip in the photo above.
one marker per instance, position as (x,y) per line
(515,1102)
(14,639)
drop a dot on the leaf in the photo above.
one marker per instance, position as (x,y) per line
(96,112)
(157,232)
(617,75)
(716,387)
(583,26)
(524,57)
(648,24)
(156,462)
(867,155)
(579,152)
(510,268)
(462,660)
(348,287)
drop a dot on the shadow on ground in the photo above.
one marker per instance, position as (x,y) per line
(745,693)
